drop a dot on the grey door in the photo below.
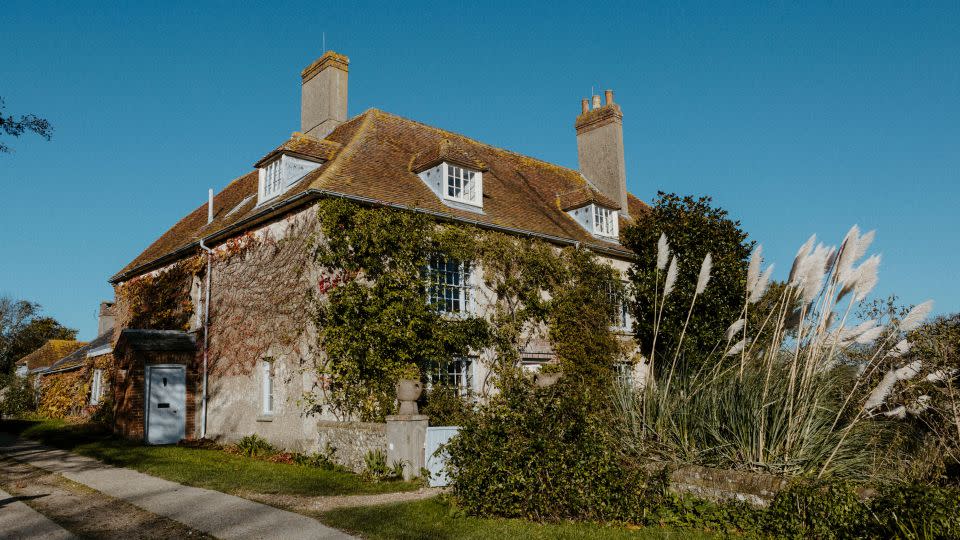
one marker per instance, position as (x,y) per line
(166,404)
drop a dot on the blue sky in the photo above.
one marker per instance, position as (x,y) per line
(798,119)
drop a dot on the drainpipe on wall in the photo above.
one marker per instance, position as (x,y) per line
(206,321)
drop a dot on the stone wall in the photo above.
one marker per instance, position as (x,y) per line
(351,441)
(724,485)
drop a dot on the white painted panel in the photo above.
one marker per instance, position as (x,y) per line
(166,404)
(436,455)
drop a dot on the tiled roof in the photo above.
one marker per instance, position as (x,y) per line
(306,146)
(584,196)
(79,356)
(373,158)
(49,352)
(156,340)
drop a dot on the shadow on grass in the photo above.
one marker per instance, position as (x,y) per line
(200,467)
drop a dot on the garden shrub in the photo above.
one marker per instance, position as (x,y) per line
(916,511)
(540,454)
(255,446)
(446,407)
(18,395)
(817,510)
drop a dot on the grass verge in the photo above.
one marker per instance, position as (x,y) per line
(206,468)
(435,518)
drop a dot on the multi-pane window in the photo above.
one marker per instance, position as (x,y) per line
(272,179)
(619,306)
(624,373)
(461,184)
(96,387)
(448,285)
(604,221)
(457,374)
(266,388)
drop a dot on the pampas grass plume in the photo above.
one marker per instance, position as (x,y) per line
(671,280)
(737,348)
(753,270)
(734,329)
(866,277)
(663,251)
(704,276)
(761,285)
(916,316)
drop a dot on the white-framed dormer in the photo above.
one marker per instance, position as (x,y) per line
(598,220)
(280,172)
(456,185)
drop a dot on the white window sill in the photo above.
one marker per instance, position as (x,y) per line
(265,417)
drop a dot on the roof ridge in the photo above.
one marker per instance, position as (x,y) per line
(475,141)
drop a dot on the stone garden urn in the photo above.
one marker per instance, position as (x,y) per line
(543,380)
(408,392)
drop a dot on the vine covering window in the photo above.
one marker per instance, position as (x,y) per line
(448,285)
(457,374)
(96,387)
(619,308)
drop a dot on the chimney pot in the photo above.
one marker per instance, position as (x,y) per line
(608,97)
(596,102)
(600,150)
(584,106)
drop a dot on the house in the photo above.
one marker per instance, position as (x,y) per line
(229,361)
(48,353)
(78,382)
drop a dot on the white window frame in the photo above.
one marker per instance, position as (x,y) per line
(623,372)
(620,318)
(450,289)
(271,184)
(459,370)
(267,398)
(604,221)
(470,189)
(96,387)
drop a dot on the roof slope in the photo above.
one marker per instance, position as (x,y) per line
(373,157)
(49,352)
(78,357)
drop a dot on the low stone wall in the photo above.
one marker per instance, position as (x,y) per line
(724,485)
(351,440)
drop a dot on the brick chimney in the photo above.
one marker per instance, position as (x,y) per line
(106,319)
(323,101)
(600,147)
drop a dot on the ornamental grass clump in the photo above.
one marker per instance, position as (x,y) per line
(779,395)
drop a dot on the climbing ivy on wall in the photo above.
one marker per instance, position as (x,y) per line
(161,300)
(373,321)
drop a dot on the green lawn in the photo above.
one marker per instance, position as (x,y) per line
(434,518)
(212,469)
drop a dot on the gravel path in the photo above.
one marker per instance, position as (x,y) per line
(299,503)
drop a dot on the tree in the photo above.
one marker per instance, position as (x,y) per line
(23,330)
(16,127)
(694,228)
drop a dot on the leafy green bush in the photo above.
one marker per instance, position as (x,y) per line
(19,395)
(539,454)
(255,446)
(446,407)
(817,510)
(375,466)
(321,460)
(916,511)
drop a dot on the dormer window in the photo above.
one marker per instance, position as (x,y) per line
(281,172)
(604,221)
(454,175)
(271,180)
(598,220)
(462,184)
